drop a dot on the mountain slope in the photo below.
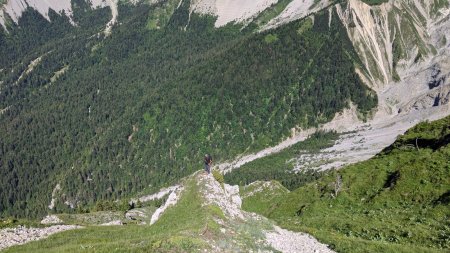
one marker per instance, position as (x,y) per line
(87,117)
(205,214)
(406,42)
(138,109)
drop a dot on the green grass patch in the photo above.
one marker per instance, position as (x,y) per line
(94,218)
(395,202)
(304,26)
(219,177)
(12,222)
(259,196)
(160,16)
(271,38)
(216,211)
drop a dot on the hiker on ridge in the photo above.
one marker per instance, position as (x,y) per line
(208,162)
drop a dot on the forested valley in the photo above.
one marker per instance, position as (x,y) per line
(111,116)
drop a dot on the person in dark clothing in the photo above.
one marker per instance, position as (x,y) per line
(208,163)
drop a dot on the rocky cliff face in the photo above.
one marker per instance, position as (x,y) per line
(391,38)
(13,9)
(402,43)
(389,35)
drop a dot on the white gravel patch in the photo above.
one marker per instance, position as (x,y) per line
(112,223)
(51,219)
(162,192)
(296,9)
(115,13)
(367,141)
(228,11)
(290,242)
(54,192)
(29,69)
(171,201)
(21,235)
(232,191)
(133,214)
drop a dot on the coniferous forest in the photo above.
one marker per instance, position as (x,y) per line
(107,117)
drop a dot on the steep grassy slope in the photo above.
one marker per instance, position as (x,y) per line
(140,108)
(395,202)
(259,195)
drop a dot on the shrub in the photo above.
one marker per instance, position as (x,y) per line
(218,176)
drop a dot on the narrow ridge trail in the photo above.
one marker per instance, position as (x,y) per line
(228,199)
